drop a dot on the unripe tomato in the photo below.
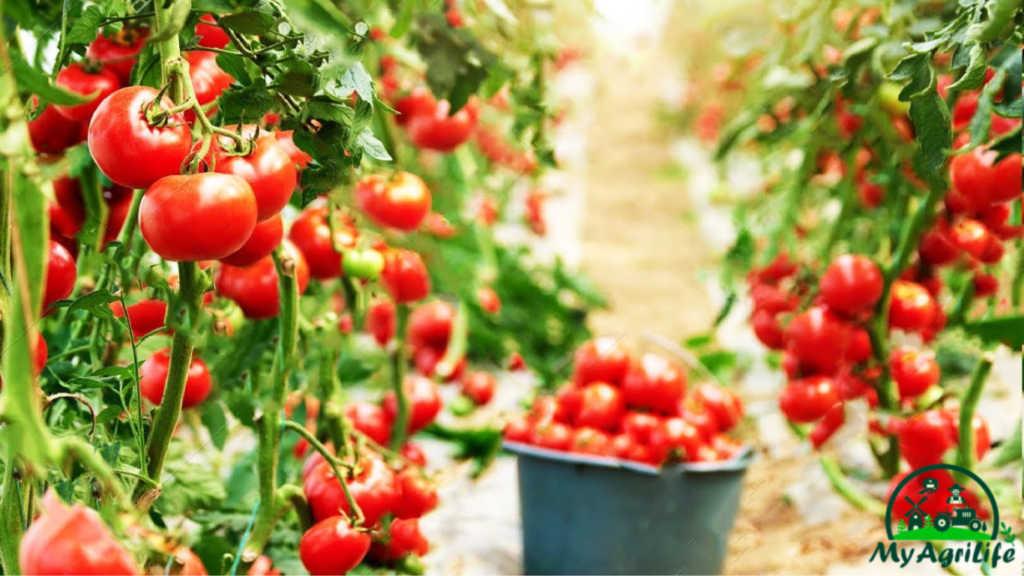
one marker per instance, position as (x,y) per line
(601,359)
(333,547)
(208,80)
(52,133)
(852,284)
(404,538)
(489,300)
(119,52)
(405,276)
(153,379)
(441,132)
(61,274)
(77,80)
(654,383)
(380,320)
(145,316)
(268,169)
(370,419)
(265,238)
(430,325)
(424,402)
(601,406)
(119,131)
(768,329)
(724,404)
(925,437)
(822,341)
(808,400)
(914,371)
(479,387)
(73,540)
(311,233)
(197,217)
(255,288)
(374,488)
(211,35)
(400,200)
(419,495)
(364,264)
(912,308)
(418,102)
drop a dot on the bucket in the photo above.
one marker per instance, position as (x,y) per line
(592,515)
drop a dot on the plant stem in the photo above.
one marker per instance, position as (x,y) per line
(968,404)
(353,506)
(11,525)
(398,362)
(847,490)
(330,407)
(848,198)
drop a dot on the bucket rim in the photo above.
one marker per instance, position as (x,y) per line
(738,463)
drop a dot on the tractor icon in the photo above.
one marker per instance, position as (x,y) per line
(959,513)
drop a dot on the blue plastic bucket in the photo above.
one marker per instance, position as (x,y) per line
(590,515)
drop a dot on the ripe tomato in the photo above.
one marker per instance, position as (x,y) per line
(518,430)
(153,378)
(912,308)
(371,420)
(78,80)
(265,238)
(601,360)
(418,102)
(982,181)
(413,454)
(427,358)
(69,213)
(914,371)
(439,226)
(590,441)
(374,488)
(601,406)
(145,315)
(380,320)
(479,387)
(985,285)
(823,341)
(772,299)
(639,425)
(333,547)
(768,329)
(827,426)
(39,357)
(424,402)
(60,275)
(255,288)
(440,131)
(808,400)
(489,300)
(119,131)
(551,435)
(404,538)
(311,233)
(976,239)
(208,79)
(73,540)
(419,495)
(654,383)
(268,169)
(198,216)
(191,565)
(119,52)
(287,143)
(982,440)
(430,325)
(211,35)
(852,284)
(674,438)
(722,403)
(925,437)
(51,132)
(696,413)
(936,249)
(263,566)
(852,387)
(400,200)
(405,276)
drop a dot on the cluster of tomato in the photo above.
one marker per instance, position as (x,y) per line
(632,408)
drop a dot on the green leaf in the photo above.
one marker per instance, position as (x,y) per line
(253,22)
(1000,19)
(35,82)
(373,147)
(251,102)
(974,77)
(216,423)
(908,67)
(86,27)
(95,303)
(1009,330)
(235,65)
(932,123)
(356,79)
(108,414)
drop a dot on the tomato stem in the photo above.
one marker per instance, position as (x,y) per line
(968,405)
(330,406)
(398,362)
(847,490)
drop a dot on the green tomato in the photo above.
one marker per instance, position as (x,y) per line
(889,100)
(363,264)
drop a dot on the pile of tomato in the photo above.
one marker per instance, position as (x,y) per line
(634,408)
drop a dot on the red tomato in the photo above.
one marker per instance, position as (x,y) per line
(255,288)
(674,438)
(696,413)
(333,547)
(211,35)
(551,435)
(827,426)
(912,308)
(400,200)
(269,171)
(287,143)
(489,300)
(654,383)
(71,540)
(208,79)
(772,299)
(370,419)
(439,130)
(725,447)
(263,566)
(412,453)
(69,213)
(427,358)
(914,371)
(982,440)
(985,285)
(722,403)
(61,274)
(419,102)
(982,181)
(405,538)
(601,406)
(419,495)
(430,325)
(119,52)
(768,329)
(51,132)
(518,430)
(780,268)
(77,80)
(479,387)
(145,315)
(375,489)
(852,387)
(852,284)
(590,441)
(871,194)
(808,400)
(439,226)
(405,276)
(191,565)
(424,402)
(601,360)
(311,233)
(119,132)
(925,437)
(153,378)
(265,238)
(639,425)
(380,320)
(935,248)
(197,217)
(823,341)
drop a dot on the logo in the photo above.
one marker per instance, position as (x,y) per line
(944,503)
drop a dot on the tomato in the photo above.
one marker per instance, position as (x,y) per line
(375,489)
(208,80)
(871,194)
(119,52)
(827,426)
(772,299)
(982,440)
(601,406)
(153,377)
(982,181)
(912,308)
(925,437)
(914,371)
(936,249)
(535,201)
(779,269)
(265,238)
(362,264)
(145,316)
(768,329)
(191,565)
(413,454)
(61,274)
(267,168)
(489,300)
(287,143)
(439,226)
(419,102)
(654,383)
(639,425)
(211,35)
(424,402)
(823,341)
(333,547)
(419,495)
(997,219)
(404,538)
(120,132)
(985,285)
(69,213)
(255,288)
(77,80)
(400,200)
(808,400)
(380,320)
(51,132)
(551,435)
(479,387)
(311,233)
(590,441)
(518,430)
(198,216)
(371,420)
(725,447)
(263,566)
(73,540)
(852,284)
(440,131)
(852,387)
(39,356)
(722,403)
(515,362)
(696,413)
(602,359)
(405,276)
(674,438)
(430,325)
